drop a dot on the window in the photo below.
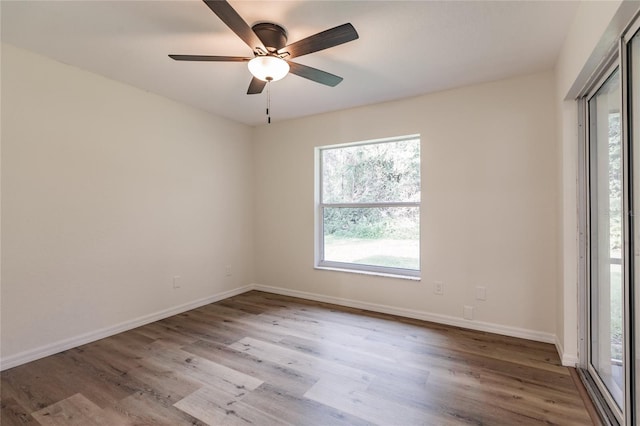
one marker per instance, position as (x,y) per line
(368,202)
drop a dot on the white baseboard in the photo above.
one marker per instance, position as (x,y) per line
(568,360)
(63,345)
(421,315)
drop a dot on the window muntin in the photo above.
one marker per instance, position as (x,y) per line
(369,206)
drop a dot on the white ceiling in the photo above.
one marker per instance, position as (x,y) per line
(406,48)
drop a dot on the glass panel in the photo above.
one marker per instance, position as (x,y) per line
(378,172)
(606,284)
(375,236)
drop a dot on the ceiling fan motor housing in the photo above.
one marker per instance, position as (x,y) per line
(273,36)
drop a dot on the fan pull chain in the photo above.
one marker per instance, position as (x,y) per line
(268,101)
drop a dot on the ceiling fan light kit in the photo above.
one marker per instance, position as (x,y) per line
(268,68)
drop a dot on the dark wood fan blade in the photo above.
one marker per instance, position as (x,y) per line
(230,17)
(314,74)
(324,40)
(209,58)
(256,86)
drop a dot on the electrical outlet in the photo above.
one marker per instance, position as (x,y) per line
(481,293)
(227,270)
(468,312)
(438,288)
(176,282)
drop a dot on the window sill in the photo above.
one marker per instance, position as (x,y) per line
(378,274)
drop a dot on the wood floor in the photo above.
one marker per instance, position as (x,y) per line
(264,359)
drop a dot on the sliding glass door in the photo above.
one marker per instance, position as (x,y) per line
(606,227)
(611,367)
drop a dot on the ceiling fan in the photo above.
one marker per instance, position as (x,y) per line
(271,54)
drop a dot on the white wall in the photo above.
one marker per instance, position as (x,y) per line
(107,193)
(489,203)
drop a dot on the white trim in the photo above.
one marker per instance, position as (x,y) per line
(371,141)
(320,206)
(567,360)
(365,272)
(72,342)
(505,330)
(63,345)
(359,268)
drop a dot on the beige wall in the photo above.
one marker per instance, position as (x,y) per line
(489,202)
(107,193)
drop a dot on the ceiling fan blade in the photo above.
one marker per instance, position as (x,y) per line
(209,58)
(314,74)
(230,17)
(256,86)
(324,40)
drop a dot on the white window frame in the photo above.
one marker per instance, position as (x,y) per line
(320,263)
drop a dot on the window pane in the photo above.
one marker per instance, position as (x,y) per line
(606,279)
(376,236)
(379,172)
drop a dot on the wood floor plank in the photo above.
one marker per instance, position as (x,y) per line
(440,359)
(265,359)
(166,382)
(352,397)
(373,363)
(211,405)
(77,411)
(160,331)
(511,401)
(298,410)
(214,406)
(144,408)
(298,360)
(91,371)
(236,329)
(15,414)
(295,381)
(31,387)
(201,369)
